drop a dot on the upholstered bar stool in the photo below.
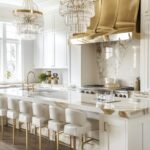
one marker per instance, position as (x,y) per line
(77,125)
(3,112)
(13,113)
(25,116)
(40,118)
(57,122)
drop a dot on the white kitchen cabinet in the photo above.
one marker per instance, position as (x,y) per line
(125,133)
(114,136)
(61,48)
(55,44)
(61,41)
(39,51)
(49,53)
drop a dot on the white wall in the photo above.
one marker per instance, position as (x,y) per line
(89,67)
(75,68)
(83,69)
(6,13)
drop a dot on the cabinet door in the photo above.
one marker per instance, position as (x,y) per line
(39,51)
(145,54)
(49,57)
(114,137)
(61,46)
(61,42)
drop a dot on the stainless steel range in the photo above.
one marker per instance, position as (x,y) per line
(123,92)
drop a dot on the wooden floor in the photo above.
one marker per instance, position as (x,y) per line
(6,144)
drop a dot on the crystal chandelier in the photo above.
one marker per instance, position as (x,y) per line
(78,14)
(29,20)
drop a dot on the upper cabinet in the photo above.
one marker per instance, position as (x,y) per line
(145,7)
(38,51)
(49,50)
(54,46)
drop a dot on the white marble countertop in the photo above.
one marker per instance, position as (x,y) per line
(122,107)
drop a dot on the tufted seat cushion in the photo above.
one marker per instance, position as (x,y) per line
(25,118)
(3,112)
(12,114)
(76,130)
(39,121)
(56,126)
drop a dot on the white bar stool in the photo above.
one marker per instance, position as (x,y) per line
(57,122)
(3,112)
(40,118)
(13,113)
(77,125)
(25,116)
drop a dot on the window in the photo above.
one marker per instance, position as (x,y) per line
(10,54)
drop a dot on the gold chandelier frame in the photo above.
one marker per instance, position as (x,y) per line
(31,11)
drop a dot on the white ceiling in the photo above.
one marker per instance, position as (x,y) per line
(7,6)
(45,5)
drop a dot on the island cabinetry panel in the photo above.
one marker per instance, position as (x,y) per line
(125,134)
(54,44)
(114,136)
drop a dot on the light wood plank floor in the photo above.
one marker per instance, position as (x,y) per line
(6,143)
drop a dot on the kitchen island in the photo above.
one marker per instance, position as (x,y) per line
(124,124)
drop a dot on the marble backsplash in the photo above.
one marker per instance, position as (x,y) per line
(119,60)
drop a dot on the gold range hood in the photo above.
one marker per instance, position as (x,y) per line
(112,18)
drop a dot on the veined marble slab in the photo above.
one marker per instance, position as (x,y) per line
(121,107)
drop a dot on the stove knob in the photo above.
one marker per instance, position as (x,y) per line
(82,91)
(87,92)
(92,92)
(124,96)
(120,95)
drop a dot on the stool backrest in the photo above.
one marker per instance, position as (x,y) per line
(75,117)
(3,102)
(13,104)
(25,107)
(40,110)
(57,113)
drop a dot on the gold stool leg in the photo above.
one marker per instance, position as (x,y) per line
(55,136)
(2,126)
(70,141)
(74,143)
(40,146)
(57,140)
(27,136)
(14,128)
(82,143)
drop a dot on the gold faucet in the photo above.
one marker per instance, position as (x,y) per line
(29,85)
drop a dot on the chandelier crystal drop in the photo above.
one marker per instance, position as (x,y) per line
(78,14)
(29,20)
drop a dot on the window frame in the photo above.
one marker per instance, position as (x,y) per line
(3,56)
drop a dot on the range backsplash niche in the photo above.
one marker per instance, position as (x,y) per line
(119,60)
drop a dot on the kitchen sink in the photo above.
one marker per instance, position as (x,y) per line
(48,93)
